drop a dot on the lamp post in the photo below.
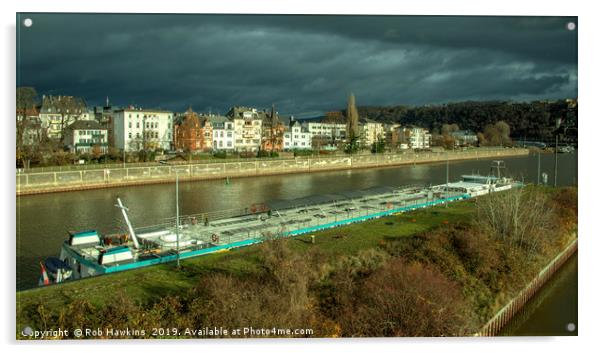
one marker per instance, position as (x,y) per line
(177,220)
(558,122)
(177,215)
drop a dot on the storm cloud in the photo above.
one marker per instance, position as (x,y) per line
(305,65)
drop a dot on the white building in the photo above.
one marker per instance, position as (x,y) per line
(296,137)
(137,129)
(223,133)
(418,138)
(334,131)
(247,128)
(371,131)
(84,136)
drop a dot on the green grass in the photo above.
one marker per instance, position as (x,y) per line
(150,284)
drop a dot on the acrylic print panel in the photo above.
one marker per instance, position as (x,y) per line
(288,176)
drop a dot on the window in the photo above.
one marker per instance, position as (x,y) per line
(130,124)
(137,125)
(130,135)
(229,143)
(229,133)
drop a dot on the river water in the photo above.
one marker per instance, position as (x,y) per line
(43,220)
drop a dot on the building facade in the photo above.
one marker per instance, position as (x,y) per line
(223,133)
(86,136)
(136,129)
(58,112)
(465,138)
(192,132)
(418,138)
(297,137)
(371,132)
(247,128)
(272,137)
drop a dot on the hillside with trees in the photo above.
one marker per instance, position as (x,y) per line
(526,120)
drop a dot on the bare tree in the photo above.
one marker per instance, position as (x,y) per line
(518,216)
(26,106)
(69,108)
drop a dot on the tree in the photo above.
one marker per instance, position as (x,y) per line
(353,145)
(516,217)
(69,108)
(378,146)
(26,106)
(352,118)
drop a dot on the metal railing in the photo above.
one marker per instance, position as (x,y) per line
(155,172)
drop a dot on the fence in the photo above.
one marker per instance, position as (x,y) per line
(30,182)
(503,317)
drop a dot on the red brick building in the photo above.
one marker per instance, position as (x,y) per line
(191,131)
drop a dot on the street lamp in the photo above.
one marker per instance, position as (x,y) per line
(558,122)
(177,215)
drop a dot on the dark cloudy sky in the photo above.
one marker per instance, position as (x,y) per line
(304,64)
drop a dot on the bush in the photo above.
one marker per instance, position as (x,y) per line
(303,152)
(409,299)
(220,154)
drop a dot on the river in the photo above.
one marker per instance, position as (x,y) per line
(43,220)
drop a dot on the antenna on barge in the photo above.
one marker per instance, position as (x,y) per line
(127,221)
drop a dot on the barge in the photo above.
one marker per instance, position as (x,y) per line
(88,253)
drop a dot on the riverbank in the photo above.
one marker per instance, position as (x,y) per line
(439,238)
(46,182)
(503,317)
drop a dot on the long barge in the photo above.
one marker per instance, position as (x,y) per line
(89,253)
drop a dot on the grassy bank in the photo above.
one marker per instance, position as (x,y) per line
(452,264)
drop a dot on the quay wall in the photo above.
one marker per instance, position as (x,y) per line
(32,182)
(503,317)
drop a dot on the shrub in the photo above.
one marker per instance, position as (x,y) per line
(409,299)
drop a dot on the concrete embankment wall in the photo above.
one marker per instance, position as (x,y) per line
(503,317)
(32,182)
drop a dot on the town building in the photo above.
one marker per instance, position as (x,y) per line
(247,128)
(104,115)
(223,133)
(86,136)
(465,138)
(58,112)
(417,138)
(136,129)
(192,132)
(392,135)
(371,131)
(326,135)
(272,138)
(297,137)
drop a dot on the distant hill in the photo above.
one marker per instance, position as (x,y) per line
(530,120)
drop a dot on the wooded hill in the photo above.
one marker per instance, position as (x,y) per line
(531,120)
